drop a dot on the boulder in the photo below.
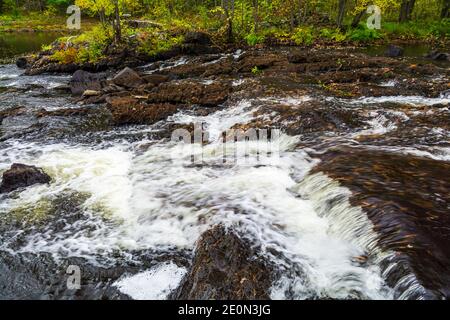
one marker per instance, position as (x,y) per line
(131,110)
(225,267)
(83,80)
(128,78)
(197,37)
(24,62)
(21,176)
(394,51)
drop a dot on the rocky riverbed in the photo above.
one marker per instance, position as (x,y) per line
(352,205)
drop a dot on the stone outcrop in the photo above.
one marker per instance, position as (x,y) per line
(225,267)
(21,176)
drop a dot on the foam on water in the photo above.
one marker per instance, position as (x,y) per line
(154,284)
(411,100)
(157,199)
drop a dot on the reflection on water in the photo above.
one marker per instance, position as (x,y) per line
(13,44)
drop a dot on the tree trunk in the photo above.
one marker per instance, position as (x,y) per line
(358,18)
(341,12)
(116,24)
(406,10)
(445,12)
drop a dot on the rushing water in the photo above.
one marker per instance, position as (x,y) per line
(141,193)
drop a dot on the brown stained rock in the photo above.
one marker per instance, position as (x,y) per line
(225,267)
(261,60)
(129,110)
(11,112)
(128,78)
(306,117)
(155,79)
(407,199)
(188,92)
(21,176)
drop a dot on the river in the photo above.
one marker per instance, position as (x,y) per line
(123,199)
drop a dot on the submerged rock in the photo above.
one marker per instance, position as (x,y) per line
(406,197)
(21,176)
(225,267)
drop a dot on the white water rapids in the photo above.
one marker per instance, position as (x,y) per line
(151,198)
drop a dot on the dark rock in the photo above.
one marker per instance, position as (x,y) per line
(298,57)
(83,80)
(261,60)
(21,176)
(46,64)
(406,197)
(439,56)
(196,37)
(156,79)
(394,51)
(128,78)
(188,92)
(225,267)
(38,276)
(22,62)
(129,110)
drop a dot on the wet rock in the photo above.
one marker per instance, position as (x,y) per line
(11,112)
(24,62)
(196,42)
(21,176)
(439,56)
(189,92)
(406,198)
(394,51)
(298,57)
(225,267)
(128,78)
(260,60)
(196,37)
(39,277)
(306,117)
(129,110)
(83,80)
(45,64)
(63,112)
(155,79)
